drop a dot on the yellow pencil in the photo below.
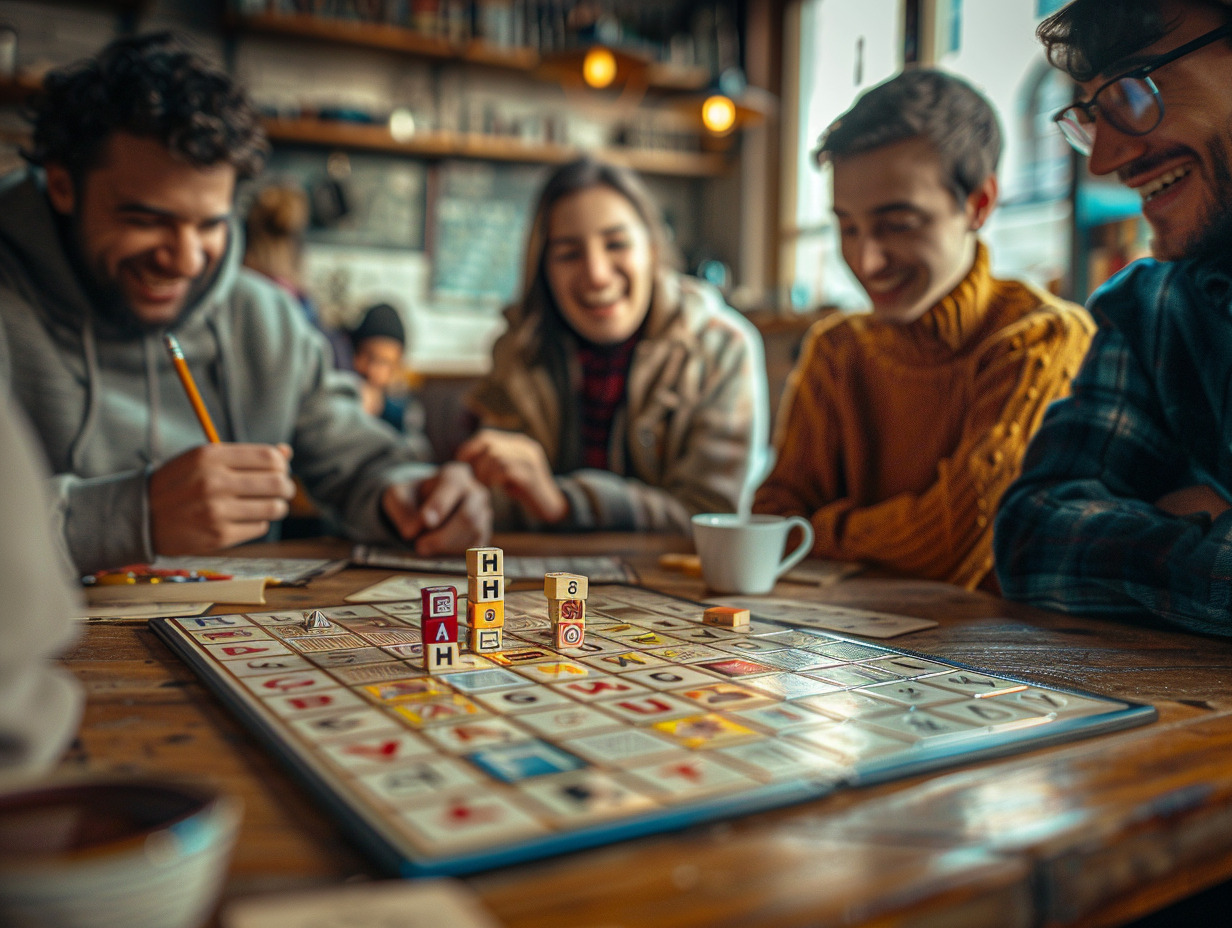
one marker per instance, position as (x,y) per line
(190,387)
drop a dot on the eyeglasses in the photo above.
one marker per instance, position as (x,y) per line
(1130,103)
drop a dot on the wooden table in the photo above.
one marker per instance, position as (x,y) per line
(1090,833)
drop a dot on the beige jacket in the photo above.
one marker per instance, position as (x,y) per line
(691,436)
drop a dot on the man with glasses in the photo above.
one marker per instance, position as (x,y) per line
(1122,508)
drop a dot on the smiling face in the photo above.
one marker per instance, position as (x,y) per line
(599,264)
(1183,168)
(149,226)
(903,235)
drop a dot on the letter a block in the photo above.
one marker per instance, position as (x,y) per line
(564,586)
(486,640)
(486,615)
(439,631)
(438,657)
(570,634)
(480,589)
(485,562)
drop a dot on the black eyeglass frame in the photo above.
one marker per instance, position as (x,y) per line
(1090,107)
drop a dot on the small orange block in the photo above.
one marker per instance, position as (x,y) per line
(486,615)
(726,616)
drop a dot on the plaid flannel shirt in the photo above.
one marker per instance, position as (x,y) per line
(1150,412)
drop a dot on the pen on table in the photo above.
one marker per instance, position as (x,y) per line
(190,387)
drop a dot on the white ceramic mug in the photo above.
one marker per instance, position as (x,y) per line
(744,554)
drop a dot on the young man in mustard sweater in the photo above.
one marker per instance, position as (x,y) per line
(900,428)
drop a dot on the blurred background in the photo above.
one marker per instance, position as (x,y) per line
(417,132)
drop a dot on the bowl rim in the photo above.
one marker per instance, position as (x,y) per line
(203,801)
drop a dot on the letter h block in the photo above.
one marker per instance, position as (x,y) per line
(438,657)
(484,589)
(485,562)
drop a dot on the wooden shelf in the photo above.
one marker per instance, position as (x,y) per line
(487,147)
(409,42)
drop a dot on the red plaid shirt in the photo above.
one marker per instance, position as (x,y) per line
(605,371)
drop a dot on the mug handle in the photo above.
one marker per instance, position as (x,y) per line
(805,546)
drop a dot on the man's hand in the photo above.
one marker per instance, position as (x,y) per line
(1189,500)
(218,495)
(516,464)
(445,514)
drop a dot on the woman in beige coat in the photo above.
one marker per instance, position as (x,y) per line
(623,395)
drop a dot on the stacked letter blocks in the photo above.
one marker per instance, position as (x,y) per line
(485,598)
(440,628)
(566,595)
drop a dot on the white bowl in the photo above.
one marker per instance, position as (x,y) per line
(113,854)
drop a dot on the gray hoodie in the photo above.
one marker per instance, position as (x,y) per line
(108,409)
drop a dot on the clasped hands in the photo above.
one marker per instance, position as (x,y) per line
(516,464)
(218,495)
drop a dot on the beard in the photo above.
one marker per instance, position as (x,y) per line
(1212,240)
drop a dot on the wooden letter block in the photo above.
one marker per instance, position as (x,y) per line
(486,615)
(441,657)
(440,631)
(570,634)
(439,602)
(726,617)
(567,610)
(487,640)
(564,586)
(485,562)
(485,589)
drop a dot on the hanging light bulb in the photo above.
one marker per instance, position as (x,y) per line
(718,114)
(599,67)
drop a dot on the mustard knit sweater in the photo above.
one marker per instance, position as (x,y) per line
(897,441)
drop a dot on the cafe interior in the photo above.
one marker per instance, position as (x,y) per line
(416,134)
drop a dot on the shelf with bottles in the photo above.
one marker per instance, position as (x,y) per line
(449,43)
(439,144)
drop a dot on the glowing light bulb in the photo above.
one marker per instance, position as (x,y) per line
(718,114)
(599,68)
(401,125)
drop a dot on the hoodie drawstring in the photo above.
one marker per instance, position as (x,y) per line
(89,347)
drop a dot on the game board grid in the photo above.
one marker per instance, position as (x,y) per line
(810,704)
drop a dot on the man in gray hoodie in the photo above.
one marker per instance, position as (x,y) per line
(123,230)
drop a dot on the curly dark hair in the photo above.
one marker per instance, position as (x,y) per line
(945,111)
(1087,38)
(150,86)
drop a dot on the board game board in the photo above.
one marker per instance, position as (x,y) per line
(656,723)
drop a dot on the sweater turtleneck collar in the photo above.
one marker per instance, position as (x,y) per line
(961,313)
